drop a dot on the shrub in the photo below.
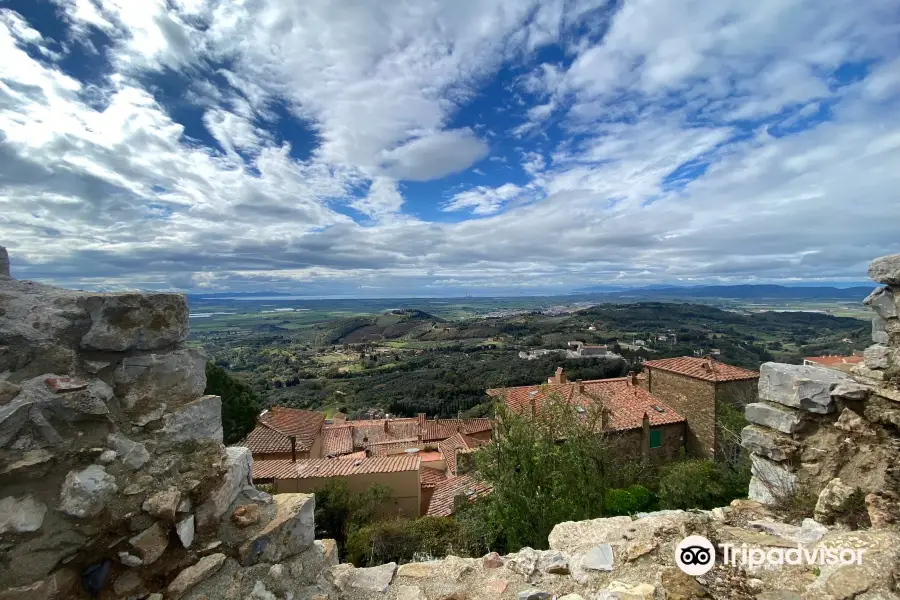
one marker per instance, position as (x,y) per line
(402,540)
(628,501)
(339,512)
(701,484)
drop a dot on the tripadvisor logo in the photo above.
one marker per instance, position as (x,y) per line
(696,555)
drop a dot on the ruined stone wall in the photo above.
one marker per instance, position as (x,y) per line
(818,431)
(113,476)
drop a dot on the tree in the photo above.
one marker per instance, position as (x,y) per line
(240,404)
(340,512)
(545,469)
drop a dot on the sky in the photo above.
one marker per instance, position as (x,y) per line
(440,147)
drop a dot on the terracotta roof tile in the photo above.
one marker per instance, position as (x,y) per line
(431,477)
(452,446)
(442,501)
(441,429)
(388,448)
(276,426)
(336,440)
(626,403)
(366,433)
(333,467)
(702,368)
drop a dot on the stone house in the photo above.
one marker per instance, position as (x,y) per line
(696,387)
(639,423)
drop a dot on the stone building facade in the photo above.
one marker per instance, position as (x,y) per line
(696,387)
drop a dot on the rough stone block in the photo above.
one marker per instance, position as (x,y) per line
(201,571)
(798,386)
(770,481)
(164,504)
(886,270)
(85,493)
(879,331)
(21,515)
(4,262)
(151,543)
(877,357)
(195,421)
(121,322)
(774,416)
(831,500)
(133,455)
(145,382)
(185,531)
(238,474)
(372,579)
(882,301)
(291,531)
(768,443)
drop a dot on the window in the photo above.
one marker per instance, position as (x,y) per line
(655,438)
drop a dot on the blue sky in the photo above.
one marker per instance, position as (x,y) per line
(436,147)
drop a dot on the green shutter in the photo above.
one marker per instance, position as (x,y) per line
(655,438)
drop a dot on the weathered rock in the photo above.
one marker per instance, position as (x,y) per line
(122,322)
(770,481)
(58,586)
(799,386)
(185,530)
(238,474)
(496,587)
(599,558)
(768,443)
(129,560)
(624,591)
(851,422)
(291,531)
(534,595)
(4,262)
(133,454)
(8,391)
(85,493)
(524,562)
(163,505)
(884,509)
(877,357)
(197,420)
(851,391)
(21,515)
(572,597)
(372,579)
(420,570)
(143,382)
(150,544)
(201,571)
(28,460)
(883,303)
(678,585)
(847,581)
(886,270)
(491,560)
(879,330)
(809,532)
(779,418)
(553,561)
(410,592)
(572,537)
(127,582)
(107,456)
(832,497)
(245,515)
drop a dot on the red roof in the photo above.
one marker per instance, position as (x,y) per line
(441,429)
(442,501)
(431,477)
(430,455)
(336,440)
(830,361)
(333,467)
(452,446)
(702,368)
(276,426)
(626,403)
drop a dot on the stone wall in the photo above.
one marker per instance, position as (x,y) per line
(695,400)
(113,476)
(818,431)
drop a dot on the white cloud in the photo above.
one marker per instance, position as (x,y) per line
(483,200)
(434,156)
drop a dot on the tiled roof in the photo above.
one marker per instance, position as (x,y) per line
(276,426)
(387,448)
(626,403)
(450,447)
(430,455)
(441,504)
(830,361)
(333,467)
(336,440)
(431,477)
(366,433)
(441,429)
(702,368)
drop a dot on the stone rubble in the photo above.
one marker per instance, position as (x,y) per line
(114,476)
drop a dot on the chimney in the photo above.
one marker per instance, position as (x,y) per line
(421,435)
(604,419)
(533,405)
(629,379)
(293,448)
(634,378)
(386,426)
(579,385)
(645,436)
(560,376)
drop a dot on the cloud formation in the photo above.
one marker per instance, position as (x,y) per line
(406,147)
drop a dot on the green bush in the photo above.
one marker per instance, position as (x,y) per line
(628,501)
(702,484)
(340,513)
(402,540)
